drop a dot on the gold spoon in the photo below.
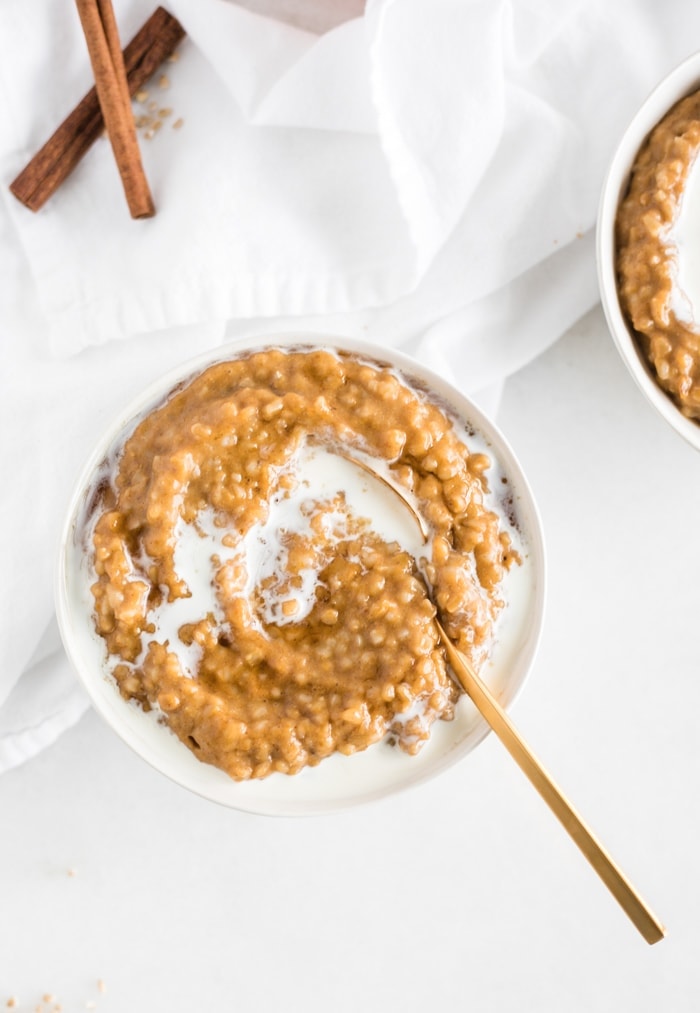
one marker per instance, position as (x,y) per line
(490,709)
(610,873)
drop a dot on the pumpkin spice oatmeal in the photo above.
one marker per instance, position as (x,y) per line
(241,594)
(651,246)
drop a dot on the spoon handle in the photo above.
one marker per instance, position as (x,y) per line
(643,918)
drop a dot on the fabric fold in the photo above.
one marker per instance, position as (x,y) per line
(439,120)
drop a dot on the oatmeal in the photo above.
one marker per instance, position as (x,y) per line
(267,621)
(649,254)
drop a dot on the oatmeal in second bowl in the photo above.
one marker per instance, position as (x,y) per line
(649,249)
(253,561)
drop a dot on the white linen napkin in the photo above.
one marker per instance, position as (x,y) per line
(424,175)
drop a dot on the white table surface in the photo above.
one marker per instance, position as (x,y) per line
(463,893)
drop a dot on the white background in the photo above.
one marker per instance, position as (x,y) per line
(461,894)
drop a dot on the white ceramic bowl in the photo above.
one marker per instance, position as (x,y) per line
(681,82)
(339,781)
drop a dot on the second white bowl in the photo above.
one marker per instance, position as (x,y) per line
(684,80)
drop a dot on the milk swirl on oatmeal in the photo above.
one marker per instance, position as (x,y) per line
(684,237)
(261,592)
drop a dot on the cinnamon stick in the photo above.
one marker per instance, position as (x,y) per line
(99,29)
(54,162)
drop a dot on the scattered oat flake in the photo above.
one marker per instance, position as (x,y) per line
(165,112)
(72,873)
(174,57)
(178,123)
(101,987)
(152,106)
(12,1002)
(163,81)
(141,96)
(149,134)
(48,997)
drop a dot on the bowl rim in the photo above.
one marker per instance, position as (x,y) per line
(153,394)
(681,81)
